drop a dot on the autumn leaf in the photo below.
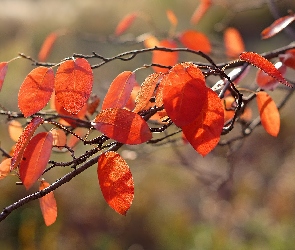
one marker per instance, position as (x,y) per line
(288,58)
(119,90)
(48,205)
(73,140)
(115,181)
(171,17)
(269,113)
(151,41)
(125,23)
(277,26)
(265,65)
(205,131)
(37,86)
(23,140)
(15,129)
(184,93)
(234,43)
(92,104)
(123,126)
(5,168)
(3,71)
(73,84)
(35,158)
(59,137)
(195,40)
(200,11)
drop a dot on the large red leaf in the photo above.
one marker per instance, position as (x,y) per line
(184,93)
(277,26)
(73,84)
(123,126)
(234,43)
(35,158)
(125,23)
(116,182)
(195,40)
(200,11)
(38,87)
(119,91)
(265,65)
(165,58)
(269,113)
(23,140)
(48,205)
(204,132)
(3,71)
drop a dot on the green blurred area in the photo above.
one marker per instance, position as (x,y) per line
(182,201)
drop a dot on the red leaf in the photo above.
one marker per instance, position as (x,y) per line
(73,84)
(35,158)
(15,129)
(119,91)
(204,133)
(115,181)
(5,168)
(48,205)
(277,26)
(24,139)
(288,58)
(37,87)
(184,93)
(123,126)
(125,23)
(195,40)
(93,104)
(269,113)
(146,91)
(200,11)
(265,65)
(165,58)
(234,43)
(3,71)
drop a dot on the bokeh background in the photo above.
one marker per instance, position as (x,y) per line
(182,201)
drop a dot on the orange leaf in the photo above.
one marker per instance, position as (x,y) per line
(163,57)
(115,181)
(195,40)
(73,84)
(15,129)
(130,105)
(24,139)
(277,26)
(73,140)
(234,43)
(47,46)
(204,132)
(119,91)
(35,158)
(146,91)
(5,168)
(200,11)
(93,104)
(125,23)
(269,113)
(123,126)
(265,65)
(37,86)
(184,93)
(151,41)
(48,205)
(3,71)
(171,17)
(288,58)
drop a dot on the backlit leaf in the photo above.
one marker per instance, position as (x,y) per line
(37,87)
(269,113)
(73,140)
(15,129)
(277,26)
(125,23)
(115,181)
(204,132)
(73,84)
(171,17)
(48,45)
(123,126)
(195,40)
(234,43)
(3,71)
(23,140)
(165,58)
(184,93)
(35,158)
(288,58)
(5,168)
(48,205)
(119,90)
(265,65)
(200,11)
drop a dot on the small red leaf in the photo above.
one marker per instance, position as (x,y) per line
(119,91)
(125,23)
(48,205)
(234,43)
(277,26)
(195,40)
(123,126)
(115,181)
(204,133)
(35,158)
(24,139)
(200,11)
(73,84)
(15,129)
(5,168)
(269,113)
(3,71)
(265,65)
(288,58)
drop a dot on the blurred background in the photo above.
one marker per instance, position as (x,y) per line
(245,200)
